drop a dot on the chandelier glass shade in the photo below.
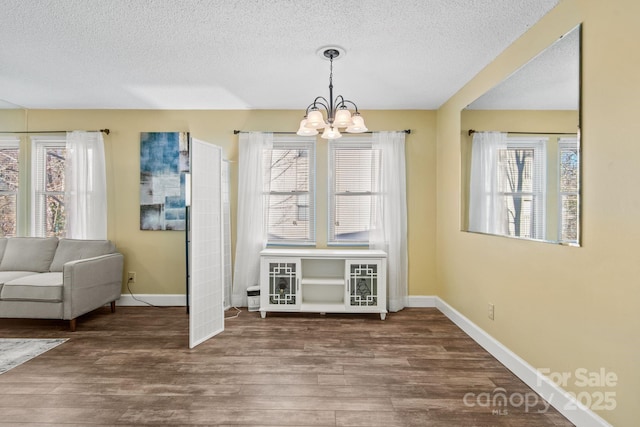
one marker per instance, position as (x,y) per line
(338,115)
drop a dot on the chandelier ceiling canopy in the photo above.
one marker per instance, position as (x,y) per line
(336,109)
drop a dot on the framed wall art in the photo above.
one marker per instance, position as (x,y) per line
(164,161)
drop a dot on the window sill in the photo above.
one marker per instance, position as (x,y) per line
(349,244)
(291,244)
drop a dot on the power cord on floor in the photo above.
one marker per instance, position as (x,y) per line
(235,315)
(238,311)
(138,299)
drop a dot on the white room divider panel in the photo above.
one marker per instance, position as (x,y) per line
(226,214)
(206,311)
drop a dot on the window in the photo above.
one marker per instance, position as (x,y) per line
(48,215)
(9,185)
(568,197)
(289,172)
(353,189)
(521,183)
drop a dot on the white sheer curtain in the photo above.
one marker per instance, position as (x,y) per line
(486,206)
(85,185)
(251,234)
(389,232)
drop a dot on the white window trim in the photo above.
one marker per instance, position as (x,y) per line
(567,143)
(14,142)
(346,142)
(539,146)
(38,143)
(297,142)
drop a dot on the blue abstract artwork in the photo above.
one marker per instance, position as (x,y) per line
(164,160)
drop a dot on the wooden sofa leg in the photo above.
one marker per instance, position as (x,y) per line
(113,306)
(72,325)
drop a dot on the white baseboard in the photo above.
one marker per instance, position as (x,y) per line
(421,301)
(560,399)
(163,300)
(126,300)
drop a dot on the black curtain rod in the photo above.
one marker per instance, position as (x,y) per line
(106,131)
(472,131)
(236,131)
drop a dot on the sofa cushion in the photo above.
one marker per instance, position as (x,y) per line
(35,287)
(3,244)
(7,276)
(29,254)
(74,249)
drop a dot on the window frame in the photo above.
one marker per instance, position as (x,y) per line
(13,142)
(293,142)
(363,142)
(538,145)
(39,145)
(565,143)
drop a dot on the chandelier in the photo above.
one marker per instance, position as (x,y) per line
(338,115)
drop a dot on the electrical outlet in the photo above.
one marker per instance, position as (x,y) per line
(131,277)
(491,311)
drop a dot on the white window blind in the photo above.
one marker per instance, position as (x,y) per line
(522,183)
(353,189)
(48,214)
(289,189)
(9,185)
(568,189)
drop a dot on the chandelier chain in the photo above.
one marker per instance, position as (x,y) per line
(331,71)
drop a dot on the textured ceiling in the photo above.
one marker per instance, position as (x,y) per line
(249,54)
(550,81)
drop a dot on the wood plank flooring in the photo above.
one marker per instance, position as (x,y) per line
(134,367)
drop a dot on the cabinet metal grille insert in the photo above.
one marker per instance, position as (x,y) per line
(363,285)
(282,283)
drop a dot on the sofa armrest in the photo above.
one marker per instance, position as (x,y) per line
(91,283)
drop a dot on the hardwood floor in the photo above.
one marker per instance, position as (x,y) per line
(134,367)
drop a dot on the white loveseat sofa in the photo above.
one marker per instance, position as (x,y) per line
(51,278)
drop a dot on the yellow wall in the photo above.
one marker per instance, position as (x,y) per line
(157,257)
(558,307)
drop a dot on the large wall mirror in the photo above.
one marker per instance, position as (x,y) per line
(521,151)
